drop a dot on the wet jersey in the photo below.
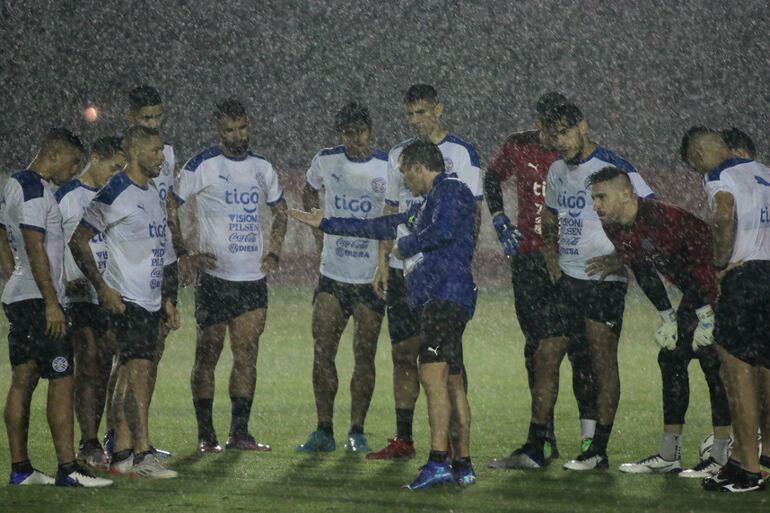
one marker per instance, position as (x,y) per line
(581,236)
(352,188)
(749,184)
(73,198)
(165,182)
(460,158)
(228,192)
(29,204)
(132,218)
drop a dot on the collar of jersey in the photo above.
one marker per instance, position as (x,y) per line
(728,163)
(87,187)
(134,183)
(360,161)
(237,159)
(592,155)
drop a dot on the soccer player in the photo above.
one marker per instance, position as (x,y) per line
(424,114)
(436,240)
(129,213)
(680,247)
(526,157)
(587,306)
(88,327)
(353,176)
(229,182)
(32,240)
(739,196)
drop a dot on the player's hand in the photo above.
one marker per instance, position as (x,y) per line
(604,266)
(172,315)
(270,263)
(76,288)
(380,281)
(667,333)
(55,322)
(704,332)
(552,265)
(508,235)
(110,299)
(312,218)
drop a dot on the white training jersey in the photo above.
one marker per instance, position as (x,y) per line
(228,192)
(460,157)
(165,182)
(73,198)
(749,184)
(132,218)
(581,236)
(28,203)
(353,189)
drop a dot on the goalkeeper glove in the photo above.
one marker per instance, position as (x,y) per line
(704,332)
(666,334)
(507,233)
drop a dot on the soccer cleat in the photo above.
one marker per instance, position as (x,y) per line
(109,442)
(318,441)
(730,472)
(526,457)
(396,449)
(654,464)
(465,476)
(161,453)
(80,477)
(151,467)
(704,469)
(121,467)
(550,450)
(740,484)
(589,460)
(585,444)
(92,454)
(34,477)
(357,443)
(246,442)
(432,474)
(209,446)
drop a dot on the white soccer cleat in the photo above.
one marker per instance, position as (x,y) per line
(152,468)
(30,478)
(80,477)
(703,470)
(589,460)
(654,464)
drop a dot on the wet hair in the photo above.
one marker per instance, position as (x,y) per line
(691,135)
(737,139)
(351,113)
(138,134)
(606,174)
(57,137)
(419,92)
(229,108)
(425,153)
(549,101)
(107,147)
(143,96)
(567,114)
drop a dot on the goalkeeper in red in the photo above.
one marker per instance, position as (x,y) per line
(679,245)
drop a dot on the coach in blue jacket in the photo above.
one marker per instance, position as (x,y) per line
(436,239)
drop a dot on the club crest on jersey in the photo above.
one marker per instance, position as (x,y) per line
(378,185)
(448,164)
(248,199)
(60,364)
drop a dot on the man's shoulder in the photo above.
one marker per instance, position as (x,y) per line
(31,184)
(469,148)
(204,156)
(613,158)
(114,187)
(396,150)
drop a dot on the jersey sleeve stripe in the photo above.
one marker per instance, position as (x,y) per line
(391,203)
(313,187)
(177,197)
(277,201)
(472,153)
(88,225)
(201,157)
(31,184)
(31,227)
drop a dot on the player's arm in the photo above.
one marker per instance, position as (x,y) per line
(723,228)
(550,228)
(380,281)
(7,263)
(34,244)
(188,262)
(279,212)
(310,200)
(81,252)
(507,233)
(377,228)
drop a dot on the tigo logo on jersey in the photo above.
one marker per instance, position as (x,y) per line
(574,204)
(158,230)
(378,185)
(249,199)
(362,204)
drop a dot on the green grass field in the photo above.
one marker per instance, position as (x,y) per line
(283,414)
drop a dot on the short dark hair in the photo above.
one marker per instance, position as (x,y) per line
(693,133)
(60,136)
(425,153)
(107,147)
(567,114)
(419,92)
(548,101)
(351,113)
(137,134)
(229,108)
(606,174)
(143,96)
(737,139)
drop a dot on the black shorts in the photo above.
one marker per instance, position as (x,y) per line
(533,293)
(403,322)
(742,316)
(27,340)
(218,300)
(171,282)
(136,332)
(581,300)
(87,315)
(348,294)
(441,334)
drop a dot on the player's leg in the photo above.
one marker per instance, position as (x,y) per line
(764,383)
(24,379)
(109,406)
(584,389)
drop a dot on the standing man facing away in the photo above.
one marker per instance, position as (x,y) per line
(353,176)
(229,182)
(32,240)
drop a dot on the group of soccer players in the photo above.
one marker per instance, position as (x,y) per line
(94,269)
